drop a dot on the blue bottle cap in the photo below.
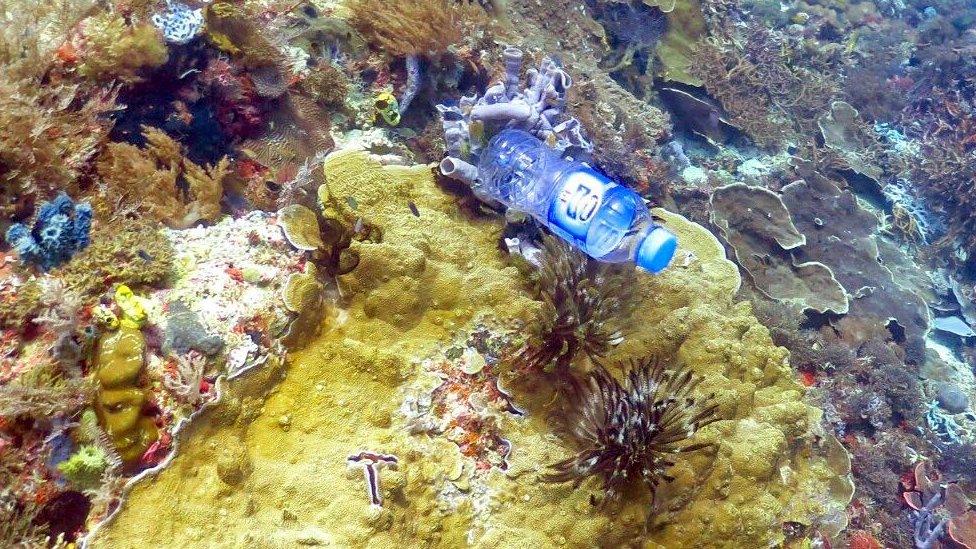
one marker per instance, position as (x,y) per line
(656,250)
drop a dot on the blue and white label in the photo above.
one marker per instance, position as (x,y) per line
(577,200)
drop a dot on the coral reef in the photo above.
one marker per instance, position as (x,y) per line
(407,297)
(766,93)
(344,348)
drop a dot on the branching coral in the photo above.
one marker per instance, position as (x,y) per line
(19,304)
(184,380)
(409,27)
(160,182)
(17,519)
(51,132)
(583,302)
(60,317)
(629,431)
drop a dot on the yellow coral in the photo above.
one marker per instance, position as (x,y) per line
(133,307)
(686,26)
(429,279)
(301,227)
(303,296)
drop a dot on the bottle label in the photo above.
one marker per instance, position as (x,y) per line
(577,201)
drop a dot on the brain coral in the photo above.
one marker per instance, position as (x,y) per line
(425,285)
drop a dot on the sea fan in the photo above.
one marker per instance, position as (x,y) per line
(583,302)
(629,432)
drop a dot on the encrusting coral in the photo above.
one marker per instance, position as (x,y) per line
(429,278)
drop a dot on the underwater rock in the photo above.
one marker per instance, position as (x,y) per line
(953,325)
(184,333)
(952,398)
(759,229)
(231,276)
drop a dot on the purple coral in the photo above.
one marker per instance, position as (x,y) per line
(539,109)
(927,531)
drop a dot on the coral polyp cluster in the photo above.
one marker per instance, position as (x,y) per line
(630,431)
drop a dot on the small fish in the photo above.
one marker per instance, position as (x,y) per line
(413,208)
(144,255)
(352,202)
(358,227)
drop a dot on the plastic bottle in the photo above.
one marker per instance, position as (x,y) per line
(604,219)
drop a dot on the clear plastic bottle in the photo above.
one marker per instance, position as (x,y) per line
(604,219)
